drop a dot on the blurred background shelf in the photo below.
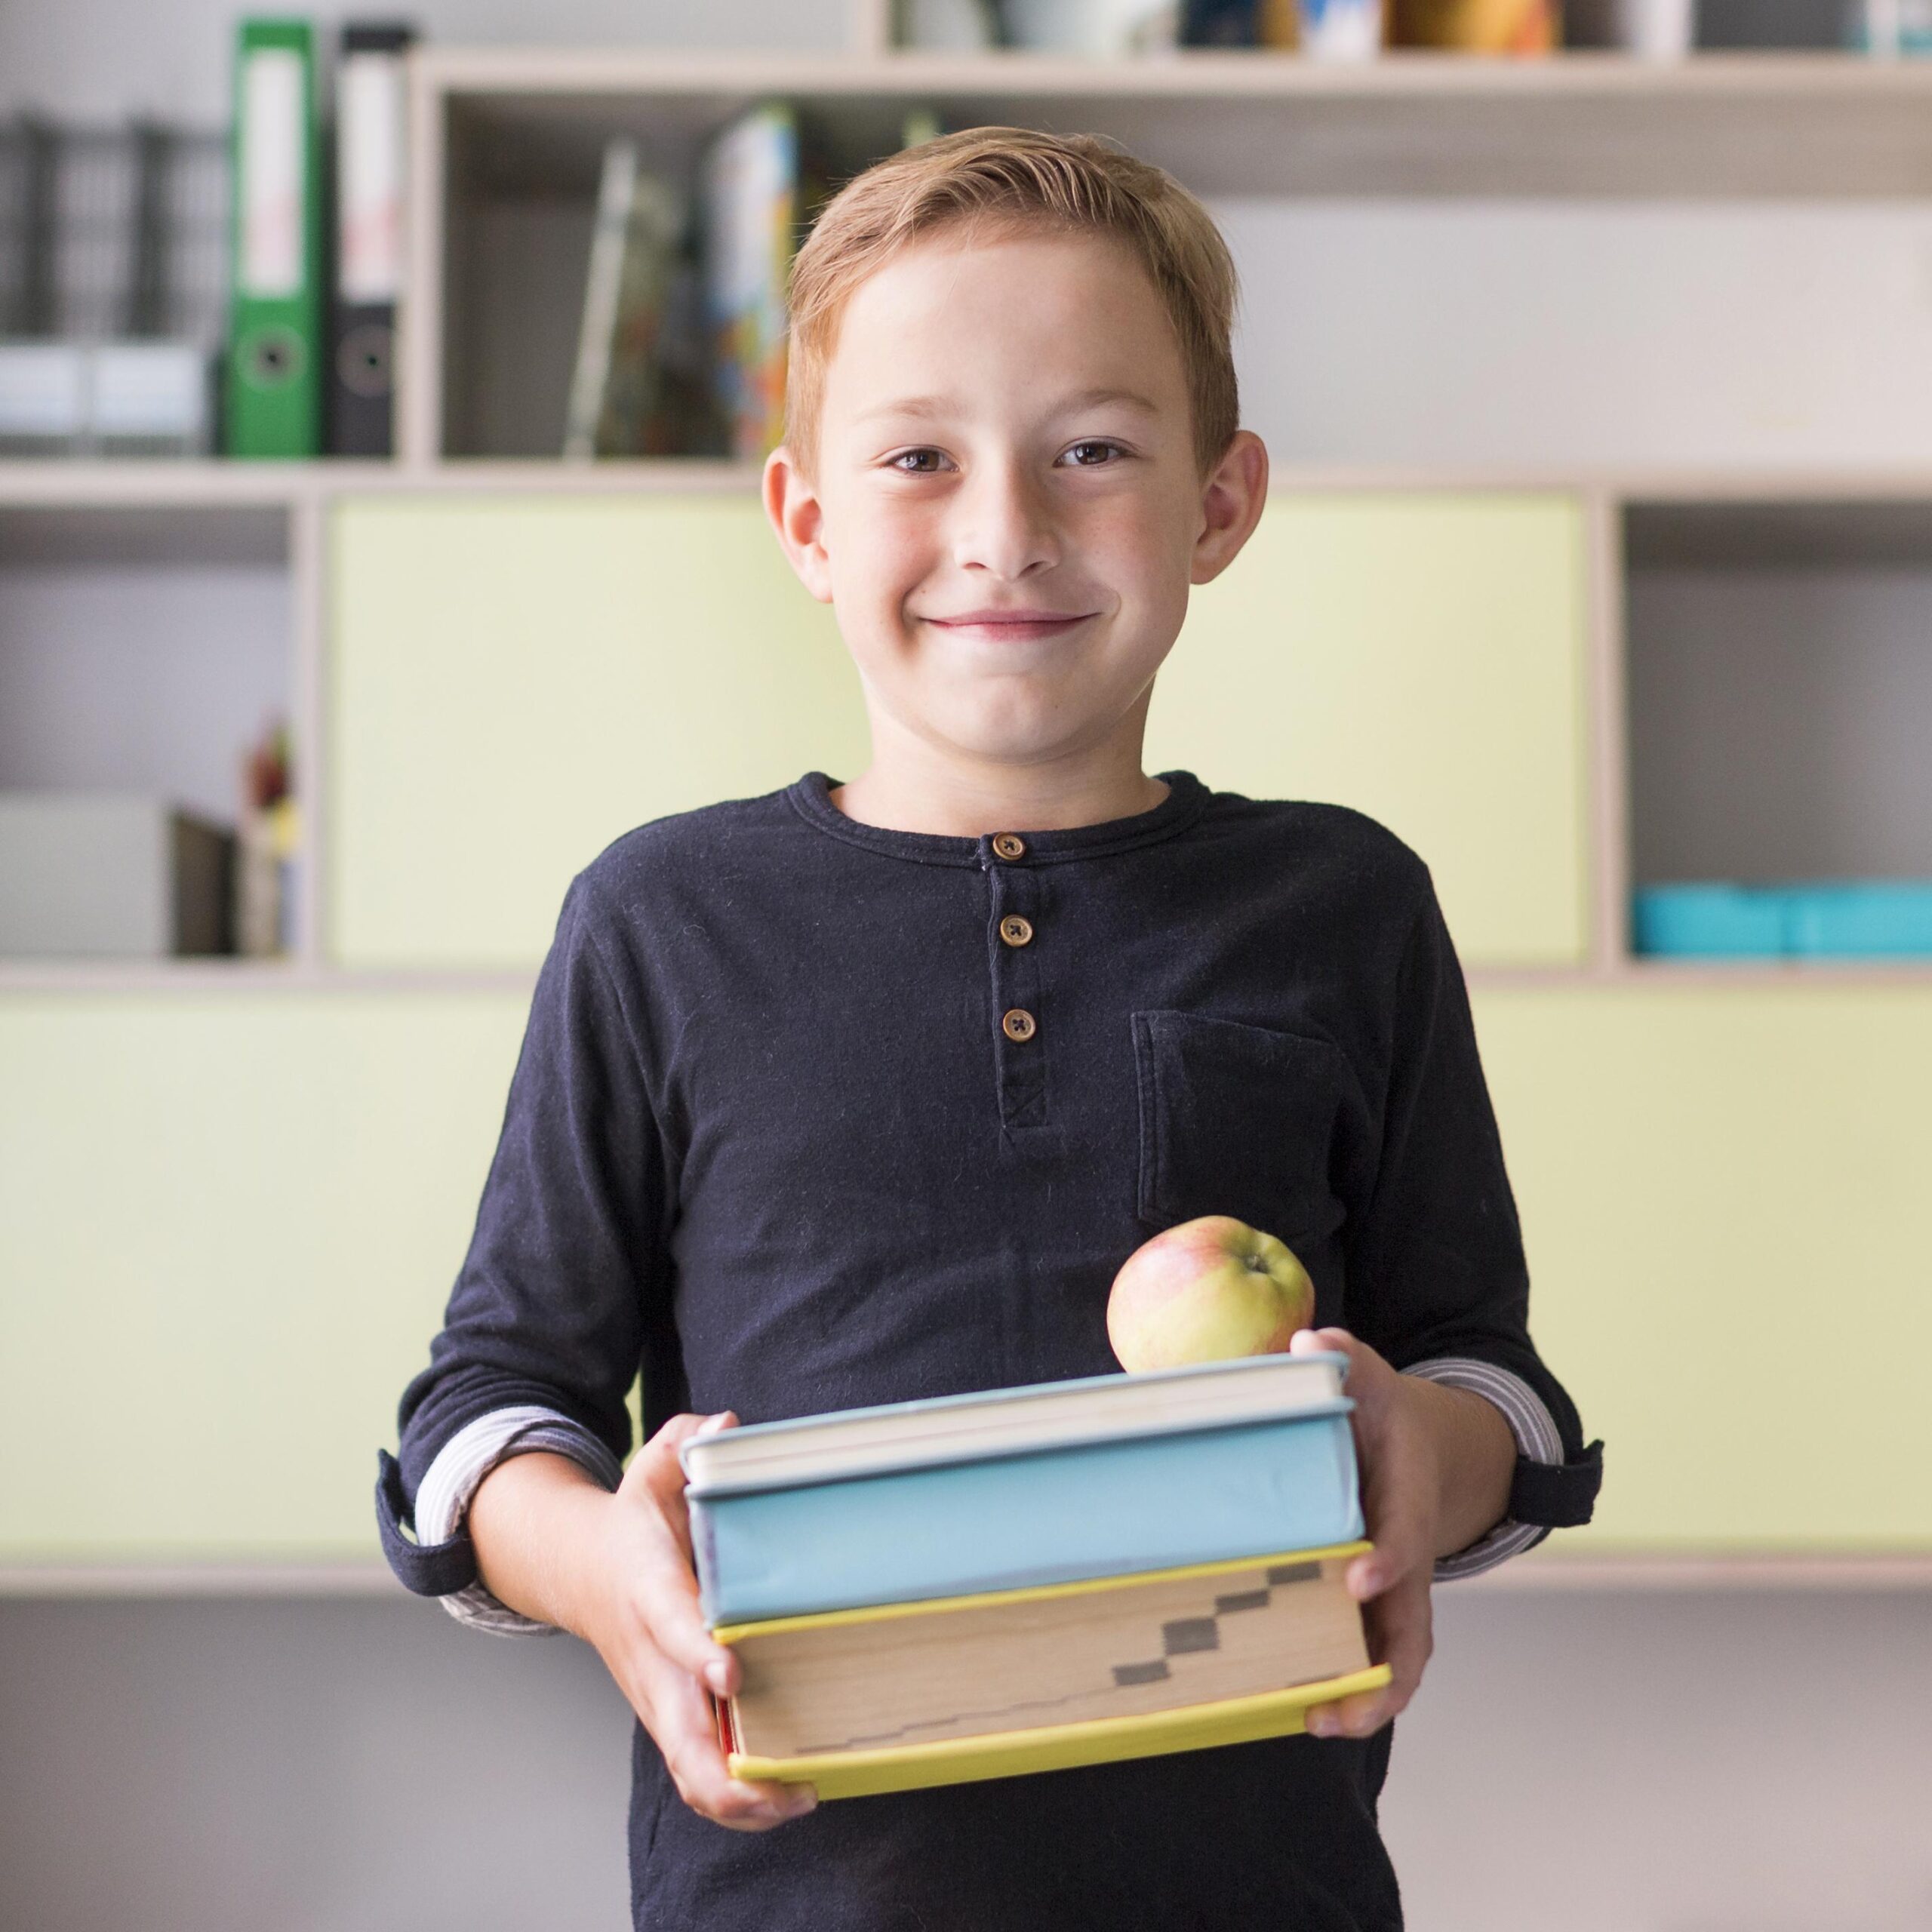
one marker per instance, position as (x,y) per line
(1599,550)
(1661,541)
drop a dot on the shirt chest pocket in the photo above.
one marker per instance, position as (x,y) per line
(1238,1120)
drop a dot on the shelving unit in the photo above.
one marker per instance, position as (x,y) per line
(1543,766)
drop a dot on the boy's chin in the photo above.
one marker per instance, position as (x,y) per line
(1009,745)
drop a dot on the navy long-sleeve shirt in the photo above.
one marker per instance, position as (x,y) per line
(812,1114)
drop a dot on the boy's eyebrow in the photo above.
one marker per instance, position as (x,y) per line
(938,405)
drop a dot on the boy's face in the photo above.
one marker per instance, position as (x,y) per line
(1008,513)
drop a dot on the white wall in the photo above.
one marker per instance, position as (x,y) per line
(1574,334)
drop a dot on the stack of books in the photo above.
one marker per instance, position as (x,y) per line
(1023,1579)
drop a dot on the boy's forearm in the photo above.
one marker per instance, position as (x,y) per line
(1476,1454)
(536,1522)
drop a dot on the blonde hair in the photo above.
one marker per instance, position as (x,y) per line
(995,182)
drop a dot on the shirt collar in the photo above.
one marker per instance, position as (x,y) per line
(1186,799)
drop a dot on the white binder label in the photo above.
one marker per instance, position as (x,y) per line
(271,189)
(370,133)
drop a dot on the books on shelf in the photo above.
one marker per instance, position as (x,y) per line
(162,289)
(276,348)
(111,289)
(754,194)
(623,391)
(973,1586)
(371,151)
(268,842)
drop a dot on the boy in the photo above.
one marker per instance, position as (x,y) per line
(861,1091)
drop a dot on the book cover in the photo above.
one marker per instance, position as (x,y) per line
(750,192)
(617,405)
(883,1436)
(1046,1515)
(996,1684)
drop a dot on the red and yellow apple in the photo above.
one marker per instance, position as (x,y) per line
(1208,1290)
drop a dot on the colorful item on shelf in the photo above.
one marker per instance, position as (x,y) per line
(1480,26)
(1341,30)
(761,181)
(1851,918)
(1889,28)
(268,840)
(1654,30)
(1227,22)
(371,94)
(616,390)
(275,339)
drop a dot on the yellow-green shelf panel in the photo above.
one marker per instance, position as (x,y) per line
(515,683)
(228,1225)
(1420,657)
(1726,1205)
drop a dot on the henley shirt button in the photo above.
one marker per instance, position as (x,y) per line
(1009,845)
(1019,1024)
(1015,930)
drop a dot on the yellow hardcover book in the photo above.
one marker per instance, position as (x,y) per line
(1196,1624)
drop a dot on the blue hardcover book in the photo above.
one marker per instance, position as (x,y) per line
(1003,1489)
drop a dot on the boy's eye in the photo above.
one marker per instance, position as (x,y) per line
(893,462)
(1092,444)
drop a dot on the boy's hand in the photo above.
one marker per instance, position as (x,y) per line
(1436,1463)
(645,1624)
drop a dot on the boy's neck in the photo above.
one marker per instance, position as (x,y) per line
(920,790)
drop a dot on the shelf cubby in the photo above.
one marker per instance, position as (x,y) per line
(143,645)
(1779,662)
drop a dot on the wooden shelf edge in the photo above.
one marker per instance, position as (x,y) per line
(204,976)
(217,484)
(1710,1570)
(367,1577)
(1207,72)
(1627,1571)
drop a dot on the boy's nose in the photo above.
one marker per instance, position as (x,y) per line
(1005,524)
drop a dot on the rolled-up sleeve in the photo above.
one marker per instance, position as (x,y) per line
(1438,1283)
(547,1324)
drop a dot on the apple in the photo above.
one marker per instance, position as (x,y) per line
(1207,1290)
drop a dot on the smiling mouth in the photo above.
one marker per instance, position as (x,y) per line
(1011,629)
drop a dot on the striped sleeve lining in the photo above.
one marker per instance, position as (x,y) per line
(443,1497)
(1537,1437)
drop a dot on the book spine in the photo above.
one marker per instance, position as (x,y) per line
(1093,1510)
(371,149)
(275,377)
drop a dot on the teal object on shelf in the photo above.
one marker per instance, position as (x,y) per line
(1862,920)
(1836,919)
(1709,922)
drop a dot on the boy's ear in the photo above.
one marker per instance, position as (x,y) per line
(1232,501)
(797,517)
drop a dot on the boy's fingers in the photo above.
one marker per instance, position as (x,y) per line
(686,1734)
(1403,1627)
(669,1598)
(1400,1492)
